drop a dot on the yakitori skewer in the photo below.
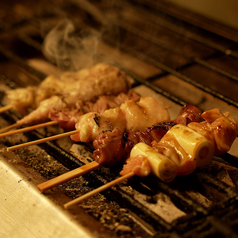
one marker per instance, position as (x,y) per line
(6,108)
(125,117)
(68,176)
(164,162)
(98,190)
(85,85)
(67,116)
(30,128)
(145,159)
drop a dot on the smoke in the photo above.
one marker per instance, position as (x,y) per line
(70,49)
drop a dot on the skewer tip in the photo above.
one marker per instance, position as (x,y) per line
(98,190)
(67,176)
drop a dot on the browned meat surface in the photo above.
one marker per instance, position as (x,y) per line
(110,149)
(131,115)
(189,113)
(139,165)
(219,128)
(86,85)
(67,117)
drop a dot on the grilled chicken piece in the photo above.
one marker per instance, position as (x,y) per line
(130,115)
(110,148)
(139,164)
(41,113)
(86,84)
(219,128)
(67,117)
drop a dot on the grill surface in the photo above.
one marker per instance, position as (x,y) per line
(177,58)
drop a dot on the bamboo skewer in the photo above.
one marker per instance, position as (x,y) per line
(30,128)
(6,108)
(15,147)
(67,176)
(17,124)
(98,190)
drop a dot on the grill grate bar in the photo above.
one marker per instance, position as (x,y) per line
(211,227)
(218,185)
(23,37)
(173,24)
(178,14)
(160,43)
(18,60)
(167,69)
(152,86)
(176,195)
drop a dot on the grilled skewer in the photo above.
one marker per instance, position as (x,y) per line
(196,149)
(90,125)
(187,114)
(186,165)
(85,85)
(67,117)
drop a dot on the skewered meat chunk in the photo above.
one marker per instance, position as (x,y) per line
(219,128)
(30,97)
(92,124)
(153,133)
(187,114)
(41,113)
(67,117)
(110,148)
(144,113)
(130,115)
(139,164)
(86,84)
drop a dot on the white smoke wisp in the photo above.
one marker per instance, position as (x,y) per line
(68,49)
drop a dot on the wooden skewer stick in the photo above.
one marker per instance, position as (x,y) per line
(17,124)
(30,128)
(36,142)
(67,176)
(98,190)
(6,108)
